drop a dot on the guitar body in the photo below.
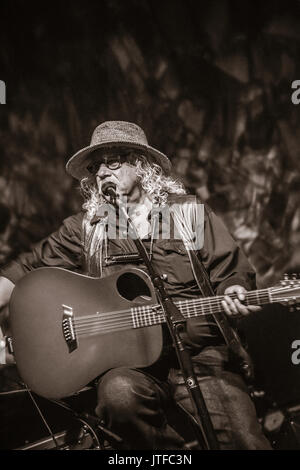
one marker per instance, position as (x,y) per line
(68,328)
(43,299)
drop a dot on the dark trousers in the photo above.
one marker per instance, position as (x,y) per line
(133,404)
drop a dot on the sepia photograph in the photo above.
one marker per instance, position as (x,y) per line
(150,227)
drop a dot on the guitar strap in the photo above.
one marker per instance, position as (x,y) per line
(185,223)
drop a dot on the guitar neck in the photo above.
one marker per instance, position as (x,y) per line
(149,315)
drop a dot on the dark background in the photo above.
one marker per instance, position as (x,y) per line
(210,82)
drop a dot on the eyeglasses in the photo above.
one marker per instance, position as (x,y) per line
(113,162)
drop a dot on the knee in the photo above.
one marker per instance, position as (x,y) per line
(120,392)
(116,389)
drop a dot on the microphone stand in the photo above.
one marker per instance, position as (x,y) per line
(177,325)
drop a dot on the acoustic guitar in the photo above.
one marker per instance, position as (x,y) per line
(68,328)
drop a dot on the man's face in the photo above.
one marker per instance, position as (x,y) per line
(116,167)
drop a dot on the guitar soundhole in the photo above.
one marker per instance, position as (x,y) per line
(130,286)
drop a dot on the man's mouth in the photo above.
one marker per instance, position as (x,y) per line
(106,185)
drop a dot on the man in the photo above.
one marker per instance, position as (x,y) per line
(132,402)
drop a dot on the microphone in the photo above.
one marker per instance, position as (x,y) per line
(110,192)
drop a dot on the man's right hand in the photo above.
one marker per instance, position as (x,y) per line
(6,288)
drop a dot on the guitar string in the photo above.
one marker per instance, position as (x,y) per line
(118,326)
(110,330)
(189,304)
(125,324)
(183,304)
(205,302)
(127,320)
(147,311)
(141,320)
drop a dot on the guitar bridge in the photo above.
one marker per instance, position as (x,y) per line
(68,328)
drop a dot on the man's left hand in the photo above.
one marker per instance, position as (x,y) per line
(235,307)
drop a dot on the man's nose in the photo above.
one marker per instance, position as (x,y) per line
(103,171)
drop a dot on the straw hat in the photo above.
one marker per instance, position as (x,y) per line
(111,134)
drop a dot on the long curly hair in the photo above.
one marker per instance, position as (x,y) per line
(156,184)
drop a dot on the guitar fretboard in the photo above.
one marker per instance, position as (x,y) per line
(152,314)
(149,315)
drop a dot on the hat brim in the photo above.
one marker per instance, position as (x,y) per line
(77,164)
